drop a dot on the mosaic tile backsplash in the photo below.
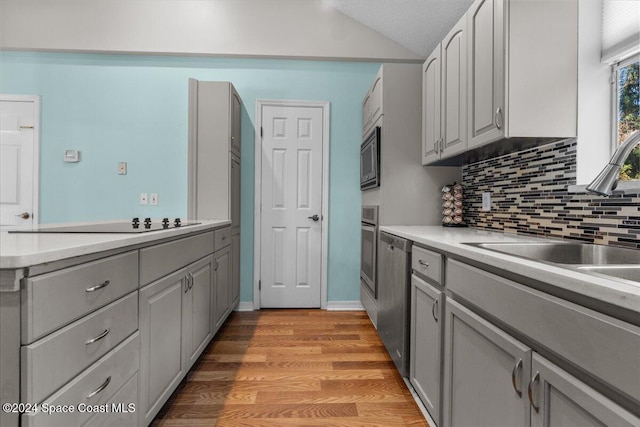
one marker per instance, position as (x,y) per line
(529,195)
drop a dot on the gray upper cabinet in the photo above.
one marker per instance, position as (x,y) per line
(425,358)
(559,399)
(372,104)
(522,69)
(444,97)
(431,108)
(486,373)
(235,117)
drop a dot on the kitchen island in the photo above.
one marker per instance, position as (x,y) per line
(109,321)
(499,339)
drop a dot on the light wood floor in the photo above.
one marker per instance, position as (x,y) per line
(293,368)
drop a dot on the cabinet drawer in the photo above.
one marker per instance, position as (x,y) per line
(118,366)
(599,345)
(53,300)
(159,260)
(50,362)
(125,415)
(221,238)
(427,263)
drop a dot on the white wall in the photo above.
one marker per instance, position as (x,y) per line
(594,95)
(255,28)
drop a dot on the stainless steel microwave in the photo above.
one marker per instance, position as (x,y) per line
(370,160)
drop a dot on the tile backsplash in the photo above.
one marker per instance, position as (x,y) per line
(529,195)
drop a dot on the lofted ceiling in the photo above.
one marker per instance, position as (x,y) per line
(418,25)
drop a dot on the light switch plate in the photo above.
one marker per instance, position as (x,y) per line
(71,156)
(144,199)
(153,199)
(122,168)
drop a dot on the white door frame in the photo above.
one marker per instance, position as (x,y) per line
(36,147)
(258,192)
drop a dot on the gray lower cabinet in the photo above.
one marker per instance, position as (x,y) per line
(222,285)
(175,326)
(426,348)
(559,399)
(486,372)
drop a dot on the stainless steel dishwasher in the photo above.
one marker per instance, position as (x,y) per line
(393,298)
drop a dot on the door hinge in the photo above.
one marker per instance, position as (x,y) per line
(261,132)
(259,285)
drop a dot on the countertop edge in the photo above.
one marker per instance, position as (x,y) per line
(18,251)
(610,291)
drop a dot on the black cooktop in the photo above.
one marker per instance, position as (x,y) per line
(133,227)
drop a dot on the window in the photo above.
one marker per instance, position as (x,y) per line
(626,83)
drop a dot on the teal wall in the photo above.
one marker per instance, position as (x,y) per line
(133,108)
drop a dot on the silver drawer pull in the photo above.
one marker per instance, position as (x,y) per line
(99,389)
(96,287)
(434,310)
(423,264)
(98,338)
(514,373)
(530,391)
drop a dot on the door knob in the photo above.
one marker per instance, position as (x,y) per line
(24,215)
(315,217)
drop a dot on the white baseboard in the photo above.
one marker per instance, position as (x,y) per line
(344,306)
(245,306)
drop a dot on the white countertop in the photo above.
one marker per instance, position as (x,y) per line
(619,292)
(18,250)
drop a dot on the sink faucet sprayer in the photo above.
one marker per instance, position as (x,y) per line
(607,180)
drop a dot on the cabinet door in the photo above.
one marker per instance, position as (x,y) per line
(486,372)
(162,364)
(559,399)
(199,309)
(454,90)
(366,113)
(486,62)
(431,107)
(221,284)
(235,125)
(235,194)
(376,97)
(235,270)
(426,348)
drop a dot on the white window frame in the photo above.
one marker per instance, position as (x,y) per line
(615,107)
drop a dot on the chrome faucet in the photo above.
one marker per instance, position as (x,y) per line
(607,180)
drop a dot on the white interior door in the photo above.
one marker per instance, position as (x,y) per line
(291,195)
(18,161)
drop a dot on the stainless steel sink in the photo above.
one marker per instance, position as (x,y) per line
(566,253)
(626,272)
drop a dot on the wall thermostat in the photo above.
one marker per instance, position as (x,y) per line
(71,156)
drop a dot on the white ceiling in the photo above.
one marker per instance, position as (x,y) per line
(418,25)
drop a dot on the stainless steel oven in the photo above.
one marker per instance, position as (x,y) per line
(369,255)
(370,160)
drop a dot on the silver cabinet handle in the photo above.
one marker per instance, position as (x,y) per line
(98,338)
(96,287)
(530,391)
(190,281)
(441,145)
(423,264)
(499,118)
(436,145)
(434,311)
(99,389)
(390,247)
(517,367)
(215,265)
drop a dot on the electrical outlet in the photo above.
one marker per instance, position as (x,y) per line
(143,199)
(486,202)
(122,168)
(153,199)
